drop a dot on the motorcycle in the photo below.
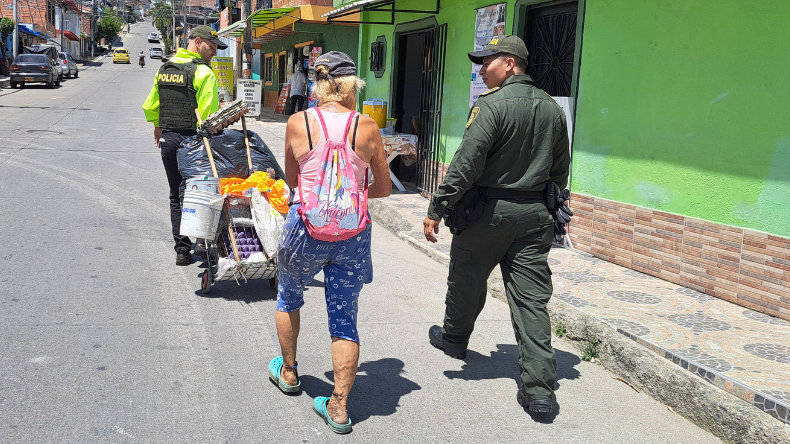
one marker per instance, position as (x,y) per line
(142,61)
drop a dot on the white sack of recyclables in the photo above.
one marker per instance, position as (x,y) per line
(268,223)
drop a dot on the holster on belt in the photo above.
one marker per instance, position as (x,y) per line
(467,210)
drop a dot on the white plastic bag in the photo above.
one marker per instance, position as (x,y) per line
(268,223)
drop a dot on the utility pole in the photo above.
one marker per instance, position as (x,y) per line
(184,26)
(246,10)
(62,9)
(93,28)
(15,39)
(174,27)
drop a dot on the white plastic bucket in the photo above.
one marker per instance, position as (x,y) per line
(203,183)
(200,213)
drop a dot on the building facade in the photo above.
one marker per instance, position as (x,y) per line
(681,153)
(286,33)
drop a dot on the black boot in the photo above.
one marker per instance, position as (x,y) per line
(541,406)
(456,351)
(183,258)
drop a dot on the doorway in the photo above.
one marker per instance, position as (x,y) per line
(418,98)
(550,35)
(281,70)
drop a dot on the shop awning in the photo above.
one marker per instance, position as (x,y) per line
(384,6)
(266,21)
(259,18)
(70,35)
(25,29)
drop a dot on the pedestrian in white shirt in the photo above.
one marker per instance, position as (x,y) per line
(298,83)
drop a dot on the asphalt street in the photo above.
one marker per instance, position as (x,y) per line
(104,340)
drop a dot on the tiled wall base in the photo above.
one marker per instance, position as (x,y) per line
(774,408)
(742,266)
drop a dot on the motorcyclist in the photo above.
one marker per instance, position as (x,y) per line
(141,56)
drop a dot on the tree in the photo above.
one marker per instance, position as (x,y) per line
(108,27)
(163,17)
(6,28)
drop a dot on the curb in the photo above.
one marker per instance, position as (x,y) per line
(728,417)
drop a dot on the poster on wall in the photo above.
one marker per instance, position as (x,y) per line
(223,68)
(315,53)
(282,101)
(289,67)
(250,92)
(490,23)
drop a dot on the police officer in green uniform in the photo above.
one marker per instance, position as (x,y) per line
(515,145)
(183,83)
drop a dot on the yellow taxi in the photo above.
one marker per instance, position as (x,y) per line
(120,55)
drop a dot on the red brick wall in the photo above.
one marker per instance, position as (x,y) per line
(30,11)
(745,267)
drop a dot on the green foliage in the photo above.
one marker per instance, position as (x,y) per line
(559,330)
(591,349)
(168,44)
(108,27)
(6,28)
(163,17)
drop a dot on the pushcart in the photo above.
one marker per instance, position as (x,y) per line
(236,252)
(222,253)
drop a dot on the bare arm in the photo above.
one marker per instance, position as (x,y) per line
(292,131)
(370,141)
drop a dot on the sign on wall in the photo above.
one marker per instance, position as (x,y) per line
(250,92)
(490,23)
(223,68)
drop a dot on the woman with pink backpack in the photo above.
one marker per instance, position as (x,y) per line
(329,151)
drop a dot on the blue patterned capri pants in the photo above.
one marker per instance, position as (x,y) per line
(346,265)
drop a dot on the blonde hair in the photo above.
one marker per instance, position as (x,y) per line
(326,91)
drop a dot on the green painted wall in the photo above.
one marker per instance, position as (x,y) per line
(682,106)
(336,38)
(460,16)
(685,107)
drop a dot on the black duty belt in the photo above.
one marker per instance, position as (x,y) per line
(501,193)
(183,132)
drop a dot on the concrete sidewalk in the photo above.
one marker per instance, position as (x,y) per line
(725,367)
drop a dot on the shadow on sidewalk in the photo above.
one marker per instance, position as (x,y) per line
(377,389)
(503,363)
(254,290)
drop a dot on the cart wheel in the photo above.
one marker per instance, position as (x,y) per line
(273,282)
(205,282)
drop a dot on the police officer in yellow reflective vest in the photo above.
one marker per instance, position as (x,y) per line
(515,145)
(183,83)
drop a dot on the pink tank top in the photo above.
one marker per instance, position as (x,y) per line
(311,163)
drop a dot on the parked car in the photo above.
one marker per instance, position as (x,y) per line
(120,55)
(153,37)
(34,68)
(156,53)
(68,65)
(48,50)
